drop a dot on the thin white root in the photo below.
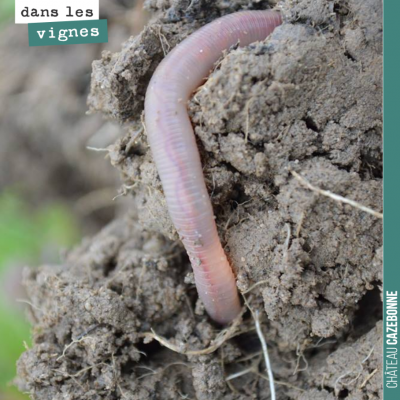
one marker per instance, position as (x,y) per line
(165,47)
(160,370)
(280,382)
(221,338)
(336,197)
(98,149)
(361,364)
(255,285)
(300,355)
(369,377)
(265,353)
(125,190)
(252,370)
(72,343)
(239,374)
(30,304)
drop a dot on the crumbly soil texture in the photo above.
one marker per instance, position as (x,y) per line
(120,318)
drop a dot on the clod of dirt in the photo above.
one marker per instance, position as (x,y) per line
(306,100)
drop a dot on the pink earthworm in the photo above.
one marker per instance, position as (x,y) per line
(173,145)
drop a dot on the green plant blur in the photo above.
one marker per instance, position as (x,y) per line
(25,236)
(6,10)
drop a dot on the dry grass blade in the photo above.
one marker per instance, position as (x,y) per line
(265,353)
(336,197)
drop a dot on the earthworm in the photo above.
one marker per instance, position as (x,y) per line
(173,145)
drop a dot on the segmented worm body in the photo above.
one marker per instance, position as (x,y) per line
(175,152)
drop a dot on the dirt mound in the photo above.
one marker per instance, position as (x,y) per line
(303,105)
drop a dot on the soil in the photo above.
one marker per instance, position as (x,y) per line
(307,100)
(44,127)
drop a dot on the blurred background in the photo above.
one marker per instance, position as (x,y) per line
(53,190)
